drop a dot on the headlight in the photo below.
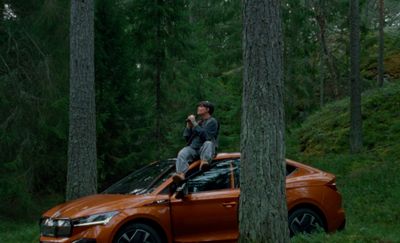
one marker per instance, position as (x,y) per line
(100,218)
(55,227)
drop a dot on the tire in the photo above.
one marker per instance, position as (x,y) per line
(137,233)
(305,220)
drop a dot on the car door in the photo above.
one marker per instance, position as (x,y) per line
(209,211)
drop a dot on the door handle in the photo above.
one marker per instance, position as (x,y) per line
(229,204)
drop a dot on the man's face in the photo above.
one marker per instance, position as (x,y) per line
(201,110)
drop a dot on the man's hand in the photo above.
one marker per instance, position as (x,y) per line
(192,120)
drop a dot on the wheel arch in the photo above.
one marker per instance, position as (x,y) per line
(313,207)
(150,222)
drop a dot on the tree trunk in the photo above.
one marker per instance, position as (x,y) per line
(327,55)
(82,168)
(321,85)
(159,59)
(190,10)
(263,210)
(158,111)
(381,43)
(1,11)
(2,14)
(355,99)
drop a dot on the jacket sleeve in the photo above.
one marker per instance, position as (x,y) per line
(187,133)
(209,131)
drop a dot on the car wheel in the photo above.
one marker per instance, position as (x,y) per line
(304,220)
(137,233)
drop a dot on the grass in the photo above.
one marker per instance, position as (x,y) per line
(371,192)
(25,229)
(18,232)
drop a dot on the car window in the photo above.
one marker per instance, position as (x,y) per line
(144,180)
(236,170)
(219,177)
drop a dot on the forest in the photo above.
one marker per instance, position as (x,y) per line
(155,60)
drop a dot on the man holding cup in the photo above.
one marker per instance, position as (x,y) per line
(202,139)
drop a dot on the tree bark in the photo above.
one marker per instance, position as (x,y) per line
(190,10)
(327,55)
(321,84)
(1,11)
(82,167)
(263,210)
(159,59)
(1,15)
(355,96)
(381,43)
(157,82)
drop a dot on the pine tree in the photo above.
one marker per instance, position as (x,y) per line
(381,38)
(262,169)
(159,30)
(355,96)
(82,162)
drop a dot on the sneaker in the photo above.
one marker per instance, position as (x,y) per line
(178,177)
(204,166)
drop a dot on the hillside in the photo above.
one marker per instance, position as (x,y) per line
(369,181)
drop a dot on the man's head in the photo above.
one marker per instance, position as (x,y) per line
(204,108)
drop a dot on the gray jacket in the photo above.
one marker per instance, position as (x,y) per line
(206,130)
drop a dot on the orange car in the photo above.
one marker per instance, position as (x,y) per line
(147,207)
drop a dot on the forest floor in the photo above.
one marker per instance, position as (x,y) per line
(369,181)
(19,232)
(25,229)
(370,188)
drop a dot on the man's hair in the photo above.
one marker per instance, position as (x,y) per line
(208,105)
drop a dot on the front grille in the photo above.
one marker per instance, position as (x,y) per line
(85,240)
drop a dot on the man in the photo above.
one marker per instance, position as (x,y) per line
(201,137)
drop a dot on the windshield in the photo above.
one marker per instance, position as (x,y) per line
(144,180)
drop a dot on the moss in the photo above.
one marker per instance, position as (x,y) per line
(391,67)
(327,130)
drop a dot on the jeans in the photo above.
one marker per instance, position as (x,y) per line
(188,154)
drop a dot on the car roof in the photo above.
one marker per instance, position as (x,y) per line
(236,155)
(233,155)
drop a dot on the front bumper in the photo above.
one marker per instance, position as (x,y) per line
(84,240)
(334,212)
(90,234)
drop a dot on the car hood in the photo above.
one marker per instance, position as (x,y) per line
(97,204)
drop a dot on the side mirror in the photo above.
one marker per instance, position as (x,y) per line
(181,191)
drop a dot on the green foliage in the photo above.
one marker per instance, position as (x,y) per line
(216,63)
(199,61)
(26,228)
(116,99)
(11,232)
(33,108)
